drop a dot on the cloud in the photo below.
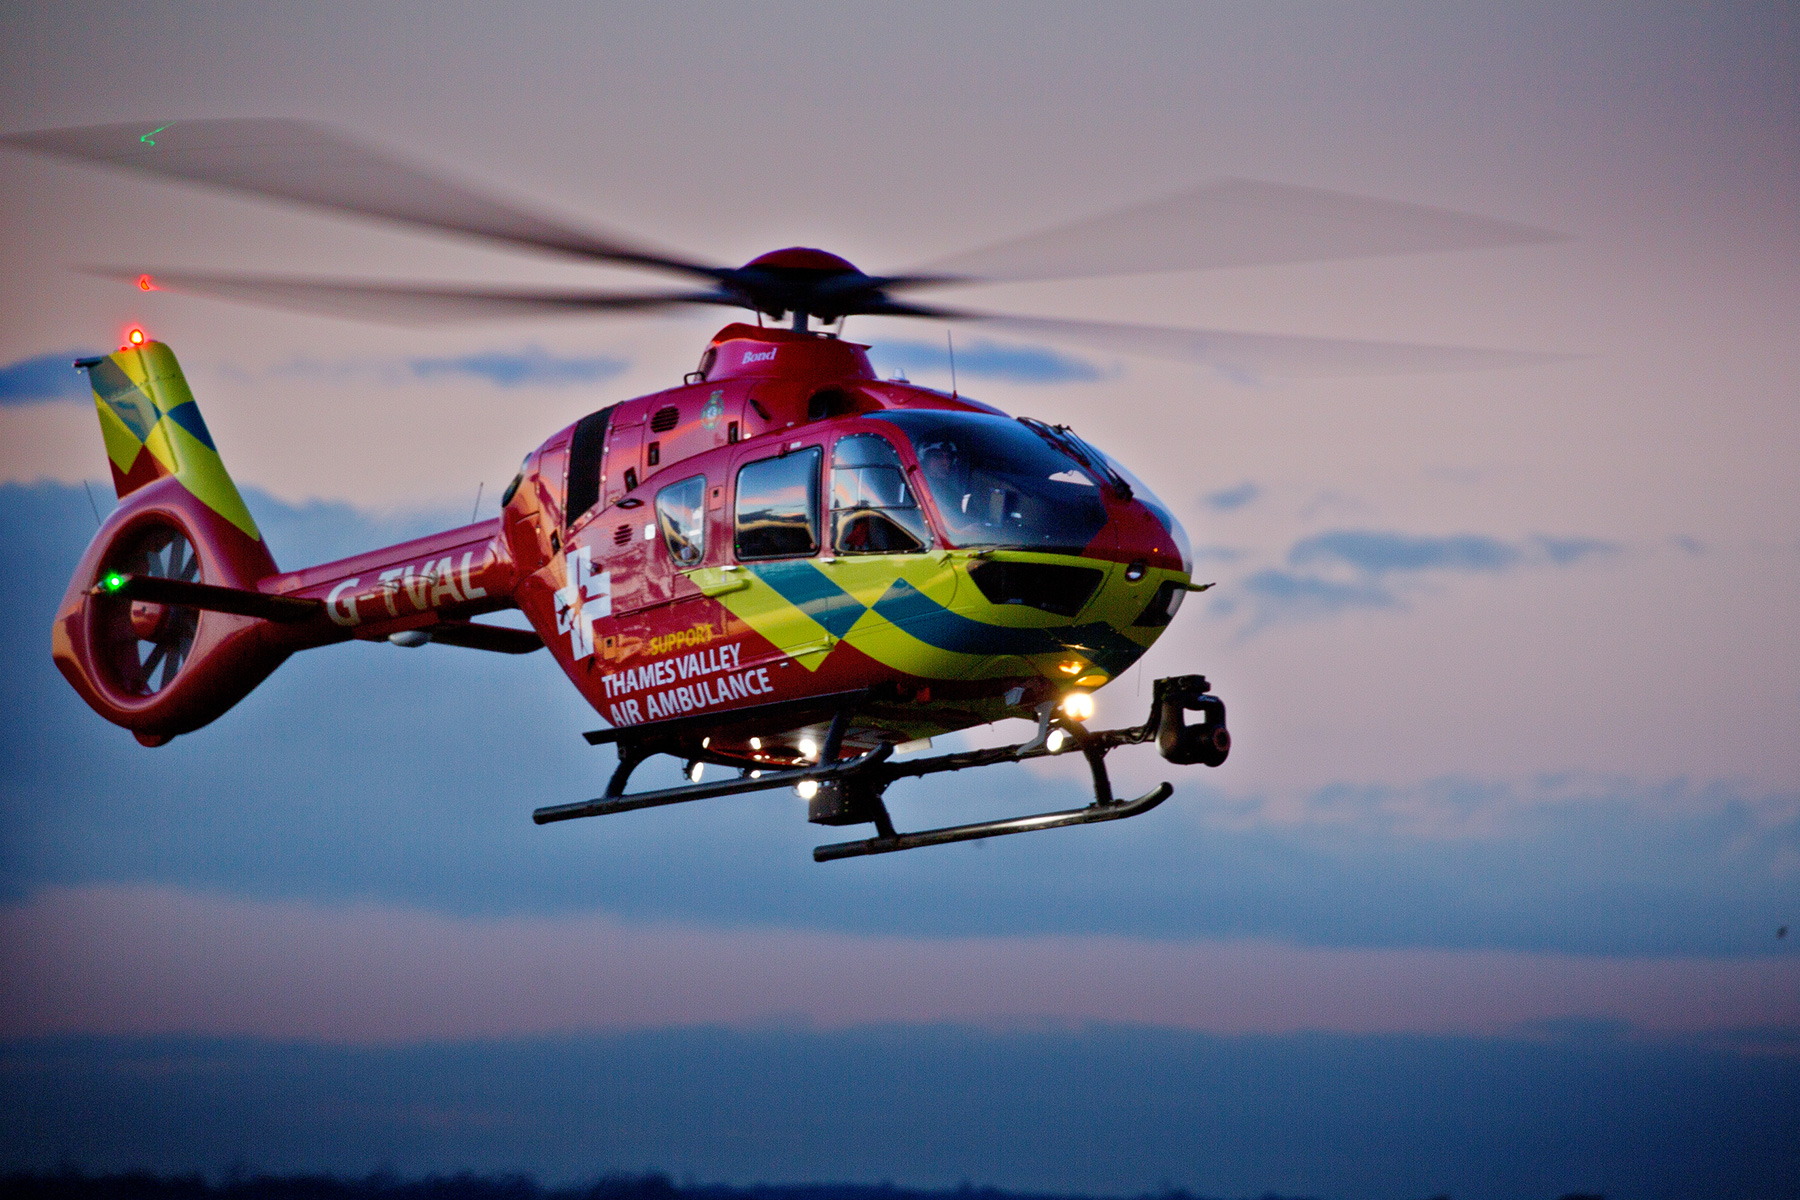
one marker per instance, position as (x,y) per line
(1563,551)
(1293,595)
(1377,553)
(532,366)
(1346,569)
(1231,499)
(986,360)
(46,377)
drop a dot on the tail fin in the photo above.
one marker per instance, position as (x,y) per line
(152,429)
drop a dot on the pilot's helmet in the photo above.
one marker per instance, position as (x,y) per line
(938,458)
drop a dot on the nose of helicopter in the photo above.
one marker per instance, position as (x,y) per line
(1147,577)
(1149,538)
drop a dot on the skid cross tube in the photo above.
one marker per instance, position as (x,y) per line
(870,774)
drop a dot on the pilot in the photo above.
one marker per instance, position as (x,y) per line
(947,471)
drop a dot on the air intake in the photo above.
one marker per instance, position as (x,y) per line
(1049,586)
(665,419)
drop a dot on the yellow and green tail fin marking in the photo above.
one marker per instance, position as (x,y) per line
(152,428)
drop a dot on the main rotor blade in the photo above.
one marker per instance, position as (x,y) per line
(1229,223)
(1253,354)
(409,303)
(311,164)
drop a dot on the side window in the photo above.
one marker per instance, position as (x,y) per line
(778,506)
(584,463)
(681,512)
(872,509)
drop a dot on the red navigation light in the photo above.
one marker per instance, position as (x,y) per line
(146,284)
(136,336)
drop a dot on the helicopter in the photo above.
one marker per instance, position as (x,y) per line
(784,567)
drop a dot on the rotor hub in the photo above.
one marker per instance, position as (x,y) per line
(147,619)
(803,258)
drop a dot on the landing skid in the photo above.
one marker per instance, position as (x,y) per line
(849,790)
(987,829)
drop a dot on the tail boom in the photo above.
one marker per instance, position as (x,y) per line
(446,577)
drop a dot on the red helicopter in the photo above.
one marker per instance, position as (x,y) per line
(786,567)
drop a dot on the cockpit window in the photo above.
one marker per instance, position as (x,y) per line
(998,484)
(872,509)
(681,512)
(778,506)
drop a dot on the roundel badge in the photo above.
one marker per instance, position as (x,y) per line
(715,408)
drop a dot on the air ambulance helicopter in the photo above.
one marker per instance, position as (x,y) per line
(784,567)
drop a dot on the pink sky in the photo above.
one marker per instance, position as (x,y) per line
(134,960)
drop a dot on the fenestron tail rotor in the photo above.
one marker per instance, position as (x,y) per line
(144,645)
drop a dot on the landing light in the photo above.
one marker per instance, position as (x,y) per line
(695,771)
(1069,668)
(756,743)
(1078,706)
(808,748)
(1055,741)
(806,789)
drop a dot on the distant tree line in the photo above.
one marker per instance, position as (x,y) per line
(71,1184)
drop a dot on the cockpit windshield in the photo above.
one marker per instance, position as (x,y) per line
(1128,485)
(997,484)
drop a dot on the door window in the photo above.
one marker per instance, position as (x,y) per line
(872,508)
(585,450)
(778,506)
(681,512)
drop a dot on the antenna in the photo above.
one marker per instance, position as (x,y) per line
(91,504)
(476,511)
(950,341)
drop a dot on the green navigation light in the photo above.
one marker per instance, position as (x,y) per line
(149,138)
(113,582)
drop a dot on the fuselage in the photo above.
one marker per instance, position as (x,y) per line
(784,528)
(786,525)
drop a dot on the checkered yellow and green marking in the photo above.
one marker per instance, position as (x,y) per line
(152,428)
(922,615)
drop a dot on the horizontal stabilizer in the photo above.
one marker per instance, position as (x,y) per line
(159,590)
(497,638)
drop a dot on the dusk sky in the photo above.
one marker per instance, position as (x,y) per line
(1485,900)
